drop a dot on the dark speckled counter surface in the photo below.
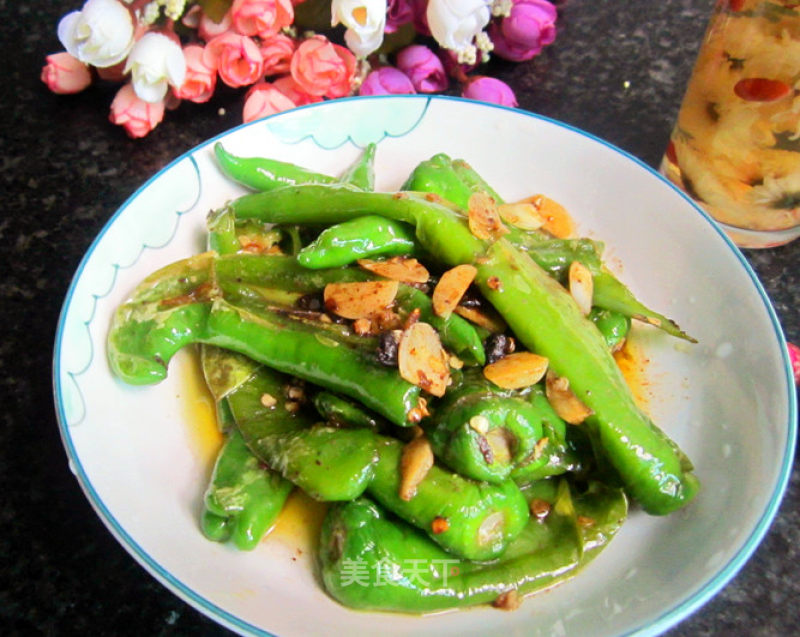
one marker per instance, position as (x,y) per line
(617,70)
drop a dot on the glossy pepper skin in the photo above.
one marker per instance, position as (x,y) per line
(183,304)
(439,226)
(459,335)
(614,326)
(653,470)
(564,450)
(361,173)
(260,173)
(483,432)
(224,371)
(333,464)
(342,412)
(285,273)
(480,518)
(438,175)
(243,498)
(329,464)
(414,575)
(540,312)
(456,181)
(227,235)
(362,238)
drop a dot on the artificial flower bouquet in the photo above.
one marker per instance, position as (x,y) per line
(287,53)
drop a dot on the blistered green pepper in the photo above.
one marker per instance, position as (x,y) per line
(260,173)
(361,173)
(183,304)
(362,238)
(542,315)
(482,431)
(285,273)
(372,562)
(329,464)
(456,181)
(470,519)
(226,235)
(342,412)
(549,322)
(243,498)
(563,449)
(614,326)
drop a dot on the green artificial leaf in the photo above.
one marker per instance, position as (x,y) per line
(395,41)
(215,9)
(313,15)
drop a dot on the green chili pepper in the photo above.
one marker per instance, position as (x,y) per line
(342,412)
(182,304)
(556,255)
(361,173)
(438,176)
(483,432)
(327,463)
(226,235)
(562,452)
(457,334)
(611,294)
(544,318)
(440,227)
(243,498)
(299,349)
(222,235)
(372,562)
(469,519)
(260,173)
(539,311)
(225,371)
(614,326)
(365,237)
(283,272)
(473,180)
(456,181)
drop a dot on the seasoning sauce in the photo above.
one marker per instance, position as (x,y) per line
(199,409)
(300,521)
(633,363)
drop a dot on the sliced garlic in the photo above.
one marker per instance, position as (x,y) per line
(581,286)
(517,370)
(565,403)
(422,360)
(360,299)
(451,287)
(415,462)
(398,269)
(522,215)
(487,320)
(483,218)
(557,221)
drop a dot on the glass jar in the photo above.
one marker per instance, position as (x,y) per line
(735,148)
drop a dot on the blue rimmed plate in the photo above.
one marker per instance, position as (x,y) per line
(143,454)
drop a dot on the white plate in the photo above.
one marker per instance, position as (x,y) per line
(728,401)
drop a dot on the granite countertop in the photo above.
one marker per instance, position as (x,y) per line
(617,70)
